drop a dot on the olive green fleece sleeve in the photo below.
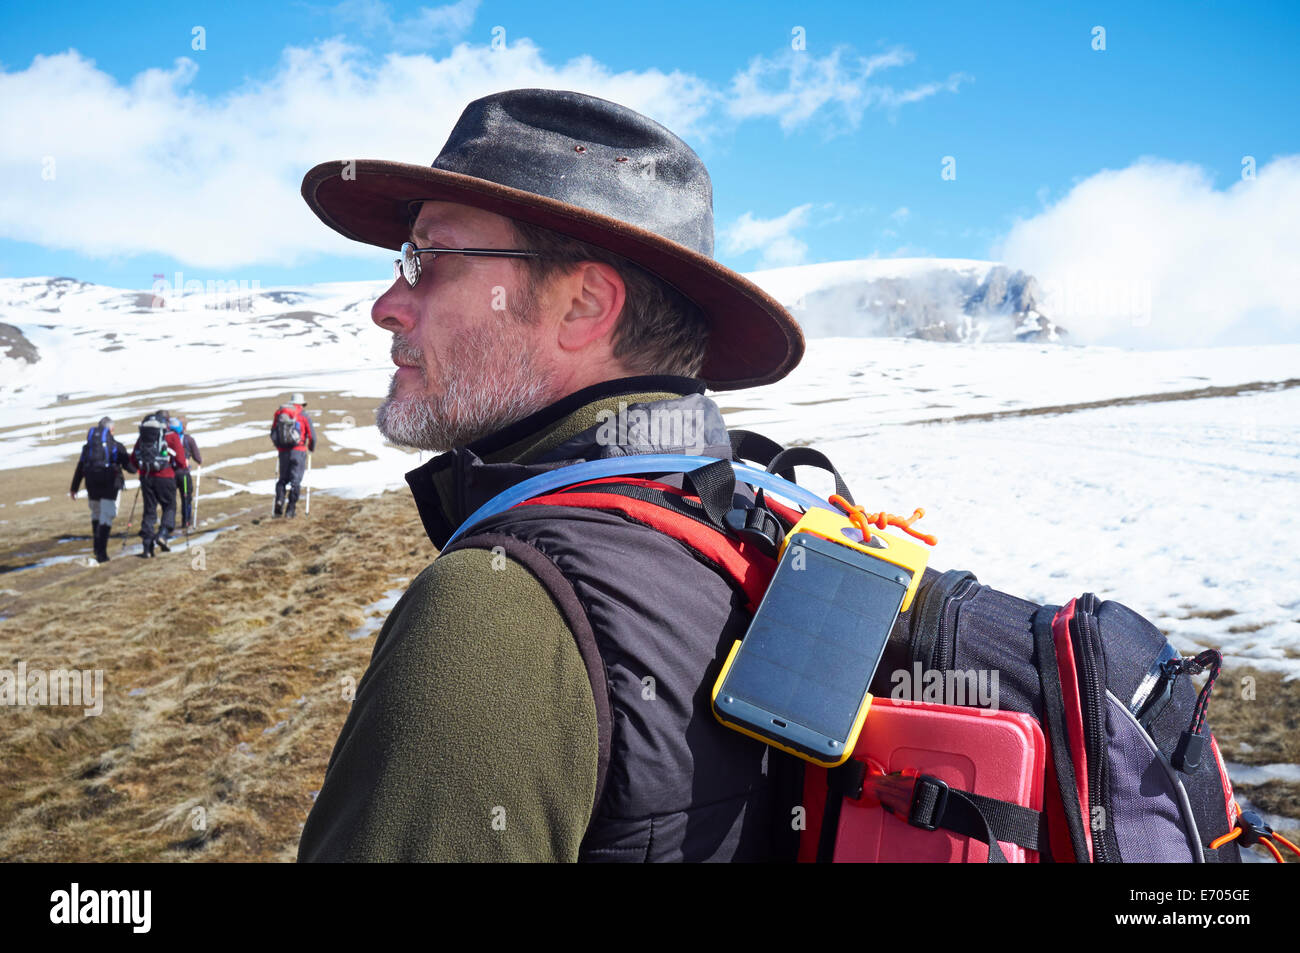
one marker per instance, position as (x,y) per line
(473,732)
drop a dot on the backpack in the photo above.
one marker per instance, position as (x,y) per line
(1128,768)
(286,432)
(152,449)
(100,451)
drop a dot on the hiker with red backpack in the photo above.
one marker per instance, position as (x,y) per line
(158,453)
(545,689)
(294,438)
(101,464)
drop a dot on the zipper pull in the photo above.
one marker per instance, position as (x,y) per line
(1156,691)
(1191,744)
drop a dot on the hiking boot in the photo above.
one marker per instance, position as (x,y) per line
(101,542)
(162,544)
(147,551)
(290,512)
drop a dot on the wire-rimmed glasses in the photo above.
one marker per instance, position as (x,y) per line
(408,266)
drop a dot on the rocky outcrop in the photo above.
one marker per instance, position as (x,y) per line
(937,305)
(13,344)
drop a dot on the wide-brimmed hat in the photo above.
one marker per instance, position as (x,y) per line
(595,171)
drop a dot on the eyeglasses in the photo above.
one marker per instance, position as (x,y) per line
(408,266)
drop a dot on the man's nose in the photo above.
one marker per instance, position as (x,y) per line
(395,309)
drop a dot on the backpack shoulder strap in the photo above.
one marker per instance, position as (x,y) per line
(663,508)
(676,514)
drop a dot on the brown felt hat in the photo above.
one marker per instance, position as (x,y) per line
(595,171)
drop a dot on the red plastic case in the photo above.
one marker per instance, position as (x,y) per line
(998,754)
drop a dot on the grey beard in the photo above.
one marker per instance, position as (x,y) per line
(490,388)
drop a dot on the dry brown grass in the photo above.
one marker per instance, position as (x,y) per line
(240,658)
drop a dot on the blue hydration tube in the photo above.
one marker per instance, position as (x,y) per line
(637,463)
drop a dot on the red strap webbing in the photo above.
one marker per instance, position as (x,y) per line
(742,562)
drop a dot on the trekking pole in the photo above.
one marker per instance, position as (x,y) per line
(307,511)
(127,531)
(184,522)
(194,509)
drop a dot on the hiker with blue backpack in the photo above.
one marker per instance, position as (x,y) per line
(158,453)
(294,438)
(101,464)
(185,485)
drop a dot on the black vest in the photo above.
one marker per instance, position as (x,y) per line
(654,625)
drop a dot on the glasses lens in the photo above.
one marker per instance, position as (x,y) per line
(410,264)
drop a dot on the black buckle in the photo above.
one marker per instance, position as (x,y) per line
(757,526)
(940,805)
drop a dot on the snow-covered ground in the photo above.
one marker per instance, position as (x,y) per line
(1186,505)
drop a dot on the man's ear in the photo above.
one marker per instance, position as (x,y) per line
(594,294)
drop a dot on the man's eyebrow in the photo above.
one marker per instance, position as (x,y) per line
(430,233)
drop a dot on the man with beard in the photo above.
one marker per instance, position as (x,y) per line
(556,270)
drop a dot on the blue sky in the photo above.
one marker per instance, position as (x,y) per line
(195,166)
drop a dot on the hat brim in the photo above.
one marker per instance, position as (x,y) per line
(753,340)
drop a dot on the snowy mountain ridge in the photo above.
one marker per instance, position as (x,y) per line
(935,299)
(932,299)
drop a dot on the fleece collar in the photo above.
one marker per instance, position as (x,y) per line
(610,419)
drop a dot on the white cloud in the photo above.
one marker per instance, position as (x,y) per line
(772,236)
(152,166)
(794,85)
(425,27)
(901,214)
(1154,255)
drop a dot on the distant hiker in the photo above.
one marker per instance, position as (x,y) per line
(158,452)
(101,463)
(294,438)
(184,479)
